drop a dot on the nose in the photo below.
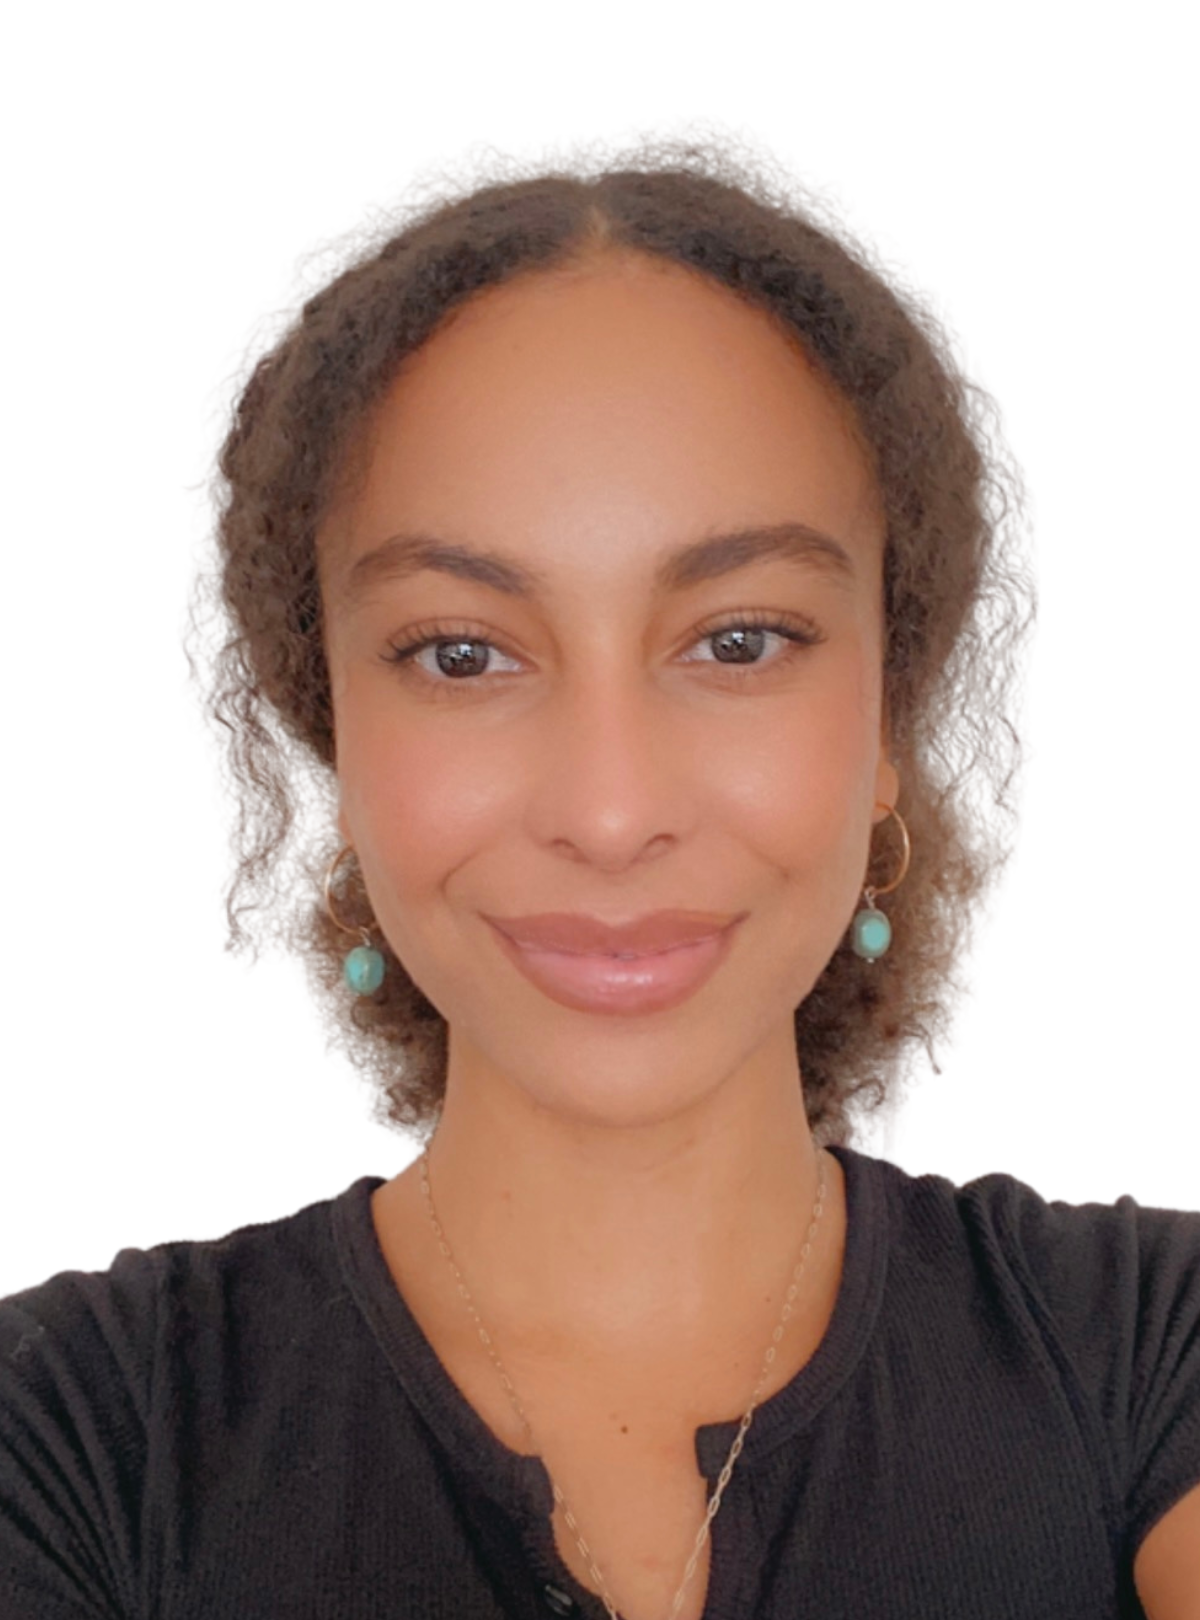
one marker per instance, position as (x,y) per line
(614,788)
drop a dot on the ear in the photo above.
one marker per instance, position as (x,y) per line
(343,825)
(887,787)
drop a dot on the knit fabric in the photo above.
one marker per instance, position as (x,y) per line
(1005,1402)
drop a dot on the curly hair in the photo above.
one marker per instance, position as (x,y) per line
(957,597)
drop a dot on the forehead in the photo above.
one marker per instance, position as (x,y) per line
(608,409)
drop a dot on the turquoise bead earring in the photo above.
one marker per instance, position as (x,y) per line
(871,932)
(363,967)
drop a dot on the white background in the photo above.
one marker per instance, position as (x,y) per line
(174,171)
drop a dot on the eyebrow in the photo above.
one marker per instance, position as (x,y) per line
(708,558)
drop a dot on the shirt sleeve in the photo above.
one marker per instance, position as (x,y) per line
(1119,1286)
(75,1359)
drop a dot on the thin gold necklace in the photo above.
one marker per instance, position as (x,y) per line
(739,1439)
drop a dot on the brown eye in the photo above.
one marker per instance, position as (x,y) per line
(458,658)
(443,654)
(446,657)
(741,643)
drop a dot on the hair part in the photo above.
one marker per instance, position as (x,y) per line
(957,597)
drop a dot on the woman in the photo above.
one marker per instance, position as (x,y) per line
(627,560)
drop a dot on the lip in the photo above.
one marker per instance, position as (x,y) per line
(649,981)
(576,933)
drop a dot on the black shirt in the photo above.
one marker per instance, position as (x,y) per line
(1005,1402)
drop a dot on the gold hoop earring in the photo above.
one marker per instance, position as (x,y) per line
(871,932)
(363,967)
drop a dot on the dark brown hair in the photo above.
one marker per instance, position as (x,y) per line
(956,595)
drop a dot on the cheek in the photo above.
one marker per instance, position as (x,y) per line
(800,787)
(799,802)
(415,805)
(788,784)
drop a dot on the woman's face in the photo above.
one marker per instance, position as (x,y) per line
(582,739)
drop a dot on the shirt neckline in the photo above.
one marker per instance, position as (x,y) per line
(521,1480)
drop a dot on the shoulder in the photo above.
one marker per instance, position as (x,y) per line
(94,1363)
(110,1320)
(111,1324)
(1073,1258)
(1117,1281)
(1104,1297)
(76,1354)
(1120,1279)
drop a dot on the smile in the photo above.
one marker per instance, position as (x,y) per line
(620,983)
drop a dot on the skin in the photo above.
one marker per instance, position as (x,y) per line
(626,1197)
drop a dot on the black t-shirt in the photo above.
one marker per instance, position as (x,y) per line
(1006,1401)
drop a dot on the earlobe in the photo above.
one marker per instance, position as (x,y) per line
(343,828)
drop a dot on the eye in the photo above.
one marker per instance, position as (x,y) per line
(457,654)
(446,656)
(740,642)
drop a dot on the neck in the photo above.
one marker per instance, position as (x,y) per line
(624,1243)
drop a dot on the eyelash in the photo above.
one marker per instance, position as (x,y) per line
(798,632)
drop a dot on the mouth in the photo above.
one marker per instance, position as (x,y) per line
(620,982)
(578,933)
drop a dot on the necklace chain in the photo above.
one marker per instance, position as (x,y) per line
(735,1449)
